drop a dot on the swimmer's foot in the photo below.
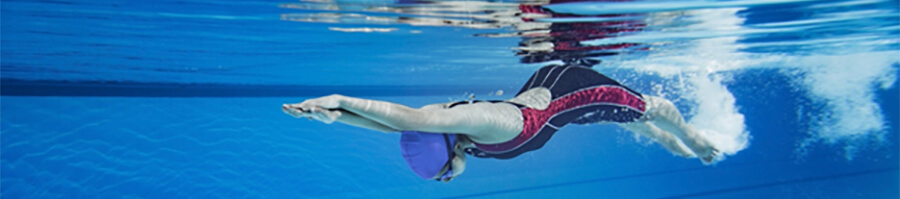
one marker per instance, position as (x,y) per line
(704,151)
(710,158)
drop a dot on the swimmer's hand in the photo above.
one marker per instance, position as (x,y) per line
(327,102)
(311,112)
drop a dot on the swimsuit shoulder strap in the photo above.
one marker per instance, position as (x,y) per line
(519,105)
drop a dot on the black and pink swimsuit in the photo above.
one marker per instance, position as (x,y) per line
(579,95)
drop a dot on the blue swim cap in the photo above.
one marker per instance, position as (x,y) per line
(428,153)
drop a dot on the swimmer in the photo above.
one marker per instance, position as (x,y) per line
(436,138)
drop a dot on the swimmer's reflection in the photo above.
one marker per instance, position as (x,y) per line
(545,35)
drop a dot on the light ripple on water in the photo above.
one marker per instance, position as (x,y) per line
(155,161)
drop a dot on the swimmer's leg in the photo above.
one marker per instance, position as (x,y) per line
(663,114)
(664,138)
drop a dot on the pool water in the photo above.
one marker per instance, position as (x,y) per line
(174,99)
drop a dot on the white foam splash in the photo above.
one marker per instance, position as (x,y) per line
(701,69)
(716,116)
(846,84)
(713,111)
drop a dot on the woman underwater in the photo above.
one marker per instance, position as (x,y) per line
(436,137)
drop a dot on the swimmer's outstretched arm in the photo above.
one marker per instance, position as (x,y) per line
(338,115)
(352,119)
(470,120)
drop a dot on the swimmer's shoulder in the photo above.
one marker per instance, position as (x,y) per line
(536,98)
(436,106)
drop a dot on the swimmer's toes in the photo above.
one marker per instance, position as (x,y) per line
(710,158)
